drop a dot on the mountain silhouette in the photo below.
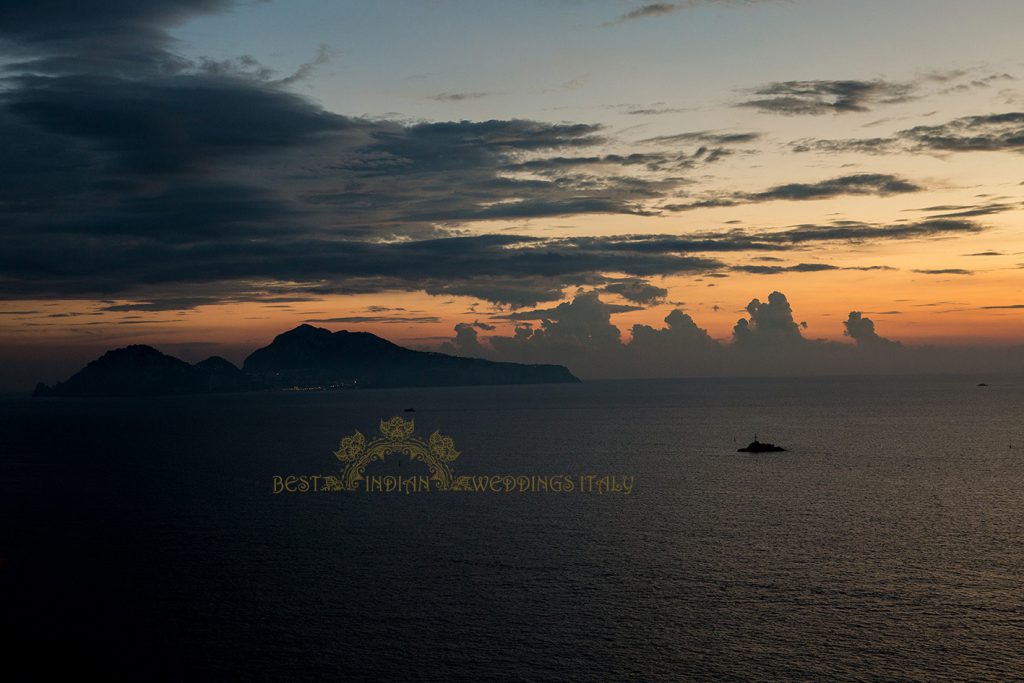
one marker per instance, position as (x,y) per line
(306,357)
(313,356)
(140,370)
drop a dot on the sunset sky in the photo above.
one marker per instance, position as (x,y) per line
(201,175)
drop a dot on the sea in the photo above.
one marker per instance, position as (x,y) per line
(146,538)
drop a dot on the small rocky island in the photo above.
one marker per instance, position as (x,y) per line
(758,447)
(307,358)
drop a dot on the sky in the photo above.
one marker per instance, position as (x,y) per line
(632,189)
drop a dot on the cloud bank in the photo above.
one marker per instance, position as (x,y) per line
(768,341)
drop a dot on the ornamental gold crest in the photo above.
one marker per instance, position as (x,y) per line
(437,453)
(396,436)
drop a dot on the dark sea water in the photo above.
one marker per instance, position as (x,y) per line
(140,537)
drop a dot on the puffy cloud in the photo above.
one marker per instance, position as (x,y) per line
(465,342)
(862,331)
(770,324)
(769,341)
(580,328)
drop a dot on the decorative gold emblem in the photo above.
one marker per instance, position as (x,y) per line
(397,436)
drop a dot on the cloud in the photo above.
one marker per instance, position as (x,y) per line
(532,269)
(306,69)
(862,331)
(944,271)
(387,319)
(659,9)
(987,133)
(857,232)
(131,174)
(971,211)
(777,270)
(704,138)
(458,96)
(815,98)
(654,111)
(128,171)
(636,290)
(653,9)
(581,325)
(54,34)
(860,184)
(879,184)
(769,341)
(803,267)
(770,323)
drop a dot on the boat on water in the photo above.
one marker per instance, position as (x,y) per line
(758,447)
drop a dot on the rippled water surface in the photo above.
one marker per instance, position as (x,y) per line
(887,543)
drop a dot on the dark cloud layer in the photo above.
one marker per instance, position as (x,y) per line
(126,169)
(132,174)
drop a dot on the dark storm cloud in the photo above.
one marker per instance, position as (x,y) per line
(876,184)
(127,169)
(815,98)
(109,35)
(176,124)
(987,133)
